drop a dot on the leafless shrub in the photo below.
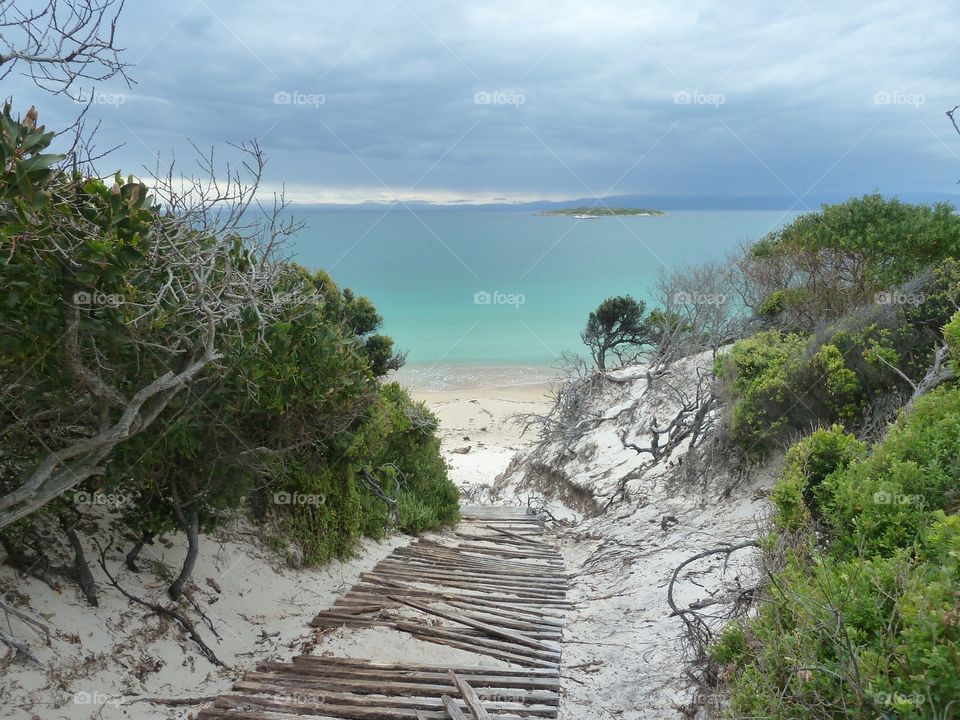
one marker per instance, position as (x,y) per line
(700,310)
(573,410)
(60,43)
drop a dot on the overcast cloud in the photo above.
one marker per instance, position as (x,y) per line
(524,99)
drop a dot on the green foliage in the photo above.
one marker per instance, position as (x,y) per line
(411,449)
(288,423)
(878,504)
(618,325)
(951,333)
(866,624)
(758,370)
(807,464)
(781,385)
(824,263)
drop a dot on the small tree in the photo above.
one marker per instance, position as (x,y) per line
(619,326)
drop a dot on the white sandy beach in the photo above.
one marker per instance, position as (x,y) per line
(479,431)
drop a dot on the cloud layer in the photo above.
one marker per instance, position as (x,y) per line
(520,99)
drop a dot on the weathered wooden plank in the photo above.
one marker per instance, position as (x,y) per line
(422,571)
(502,701)
(492,630)
(452,710)
(469,697)
(477,585)
(465,670)
(532,688)
(507,602)
(541,658)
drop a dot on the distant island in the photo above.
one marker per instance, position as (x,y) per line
(597,212)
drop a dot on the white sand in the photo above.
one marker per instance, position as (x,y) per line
(481,420)
(100,661)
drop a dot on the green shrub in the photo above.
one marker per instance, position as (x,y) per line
(881,502)
(823,263)
(782,385)
(866,623)
(807,464)
(951,333)
(757,370)
(316,508)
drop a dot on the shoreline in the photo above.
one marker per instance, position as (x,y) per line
(472,377)
(478,434)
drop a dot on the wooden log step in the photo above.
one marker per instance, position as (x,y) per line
(414,570)
(231,714)
(548,657)
(486,628)
(491,570)
(468,558)
(530,594)
(422,697)
(376,666)
(498,539)
(286,708)
(366,685)
(539,687)
(373,591)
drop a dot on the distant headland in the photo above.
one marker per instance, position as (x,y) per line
(598,212)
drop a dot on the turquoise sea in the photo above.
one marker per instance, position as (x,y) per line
(471,292)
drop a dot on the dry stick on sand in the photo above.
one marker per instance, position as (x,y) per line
(697,629)
(161,610)
(20,647)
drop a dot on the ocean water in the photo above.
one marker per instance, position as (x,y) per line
(470,293)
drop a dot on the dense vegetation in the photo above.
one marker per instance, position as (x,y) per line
(159,355)
(855,309)
(835,339)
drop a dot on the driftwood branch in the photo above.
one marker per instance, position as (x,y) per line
(159,609)
(699,633)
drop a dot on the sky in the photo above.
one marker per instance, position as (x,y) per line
(387,100)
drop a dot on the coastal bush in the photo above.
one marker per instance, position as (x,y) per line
(261,381)
(806,465)
(824,263)
(864,623)
(755,375)
(780,385)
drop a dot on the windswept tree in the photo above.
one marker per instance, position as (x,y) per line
(618,326)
